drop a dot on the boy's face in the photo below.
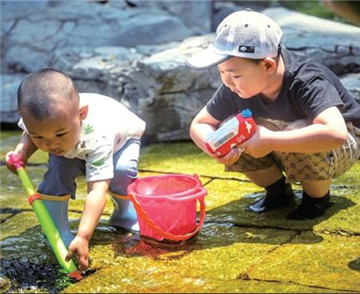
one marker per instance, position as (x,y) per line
(58,133)
(245,78)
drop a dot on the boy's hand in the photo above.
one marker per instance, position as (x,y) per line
(94,206)
(21,157)
(80,247)
(229,158)
(257,146)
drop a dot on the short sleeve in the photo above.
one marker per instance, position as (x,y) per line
(21,124)
(222,103)
(99,162)
(316,95)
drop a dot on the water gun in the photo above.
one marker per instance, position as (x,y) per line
(232,133)
(46,222)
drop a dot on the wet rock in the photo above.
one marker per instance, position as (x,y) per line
(22,275)
(5,283)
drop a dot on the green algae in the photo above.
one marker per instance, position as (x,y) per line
(324,264)
(181,158)
(350,178)
(235,251)
(9,140)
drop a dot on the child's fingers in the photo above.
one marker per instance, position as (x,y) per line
(69,255)
(12,168)
(84,262)
(8,157)
(83,259)
(9,163)
(231,157)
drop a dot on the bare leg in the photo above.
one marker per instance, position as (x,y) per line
(264,177)
(316,189)
(314,202)
(278,192)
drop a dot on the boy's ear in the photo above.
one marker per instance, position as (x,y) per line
(83,111)
(270,64)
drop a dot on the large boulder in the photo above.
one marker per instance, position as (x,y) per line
(30,36)
(334,44)
(152,79)
(8,102)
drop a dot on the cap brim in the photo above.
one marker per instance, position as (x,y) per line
(206,59)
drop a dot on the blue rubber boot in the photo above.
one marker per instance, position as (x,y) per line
(124,214)
(58,211)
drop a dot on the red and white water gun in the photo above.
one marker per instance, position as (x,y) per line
(232,133)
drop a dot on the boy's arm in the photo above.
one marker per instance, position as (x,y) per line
(328,131)
(203,124)
(24,149)
(94,206)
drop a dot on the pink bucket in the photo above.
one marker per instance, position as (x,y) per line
(166,205)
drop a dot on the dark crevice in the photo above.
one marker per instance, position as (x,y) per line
(246,277)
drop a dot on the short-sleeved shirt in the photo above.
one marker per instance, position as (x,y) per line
(308,89)
(105,130)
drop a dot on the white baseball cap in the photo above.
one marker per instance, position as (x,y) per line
(245,33)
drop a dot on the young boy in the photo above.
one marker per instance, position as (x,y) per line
(83,133)
(307,123)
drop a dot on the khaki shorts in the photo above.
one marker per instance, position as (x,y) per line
(303,167)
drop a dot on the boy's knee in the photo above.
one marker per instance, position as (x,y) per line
(124,175)
(126,170)
(60,176)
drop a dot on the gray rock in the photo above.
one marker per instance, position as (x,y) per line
(8,103)
(196,15)
(151,79)
(333,44)
(352,84)
(39,32)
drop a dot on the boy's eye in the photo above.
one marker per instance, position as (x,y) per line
(60,135)
(236,77)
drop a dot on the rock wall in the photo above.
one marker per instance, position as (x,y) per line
(135,52)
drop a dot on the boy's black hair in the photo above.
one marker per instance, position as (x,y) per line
(40,91)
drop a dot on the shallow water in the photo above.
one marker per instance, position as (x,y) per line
(235,251)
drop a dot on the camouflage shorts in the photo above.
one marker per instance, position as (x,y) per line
(303,167)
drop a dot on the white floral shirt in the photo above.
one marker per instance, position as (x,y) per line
(105,130)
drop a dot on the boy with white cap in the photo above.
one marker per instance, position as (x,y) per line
(308,125)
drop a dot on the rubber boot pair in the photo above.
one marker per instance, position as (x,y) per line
(57,207)
(310,207)
(279,194)
(124,214)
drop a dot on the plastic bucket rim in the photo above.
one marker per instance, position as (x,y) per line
(171,197)
(194,177)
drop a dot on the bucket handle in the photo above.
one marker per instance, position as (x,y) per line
(159,230)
